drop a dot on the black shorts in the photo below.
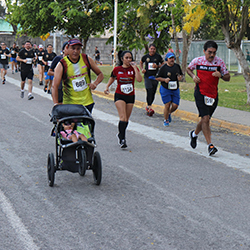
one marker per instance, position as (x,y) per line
(27,74)
(202,107)
(125,98)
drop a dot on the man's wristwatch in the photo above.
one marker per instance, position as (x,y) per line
(221,75)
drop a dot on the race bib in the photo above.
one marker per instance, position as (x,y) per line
(12,52)
(150,66)
(40,58)
(127,88)
(209,101)
(49,63)
(3,56)
(79,84)
(29,60)
(172,85)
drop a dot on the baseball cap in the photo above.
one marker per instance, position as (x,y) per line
(74,41)
(169,55)
(40,46)
(64,44)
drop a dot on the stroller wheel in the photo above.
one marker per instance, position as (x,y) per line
(97,168)
(51,169)
(82,162)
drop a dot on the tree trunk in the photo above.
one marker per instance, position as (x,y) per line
(177,52)
(245,68)
(85,40)
(187,39)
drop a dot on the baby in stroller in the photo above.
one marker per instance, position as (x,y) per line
(75,143)
(69,132)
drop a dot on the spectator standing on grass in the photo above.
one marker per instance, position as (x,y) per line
(97,56)
(209,69)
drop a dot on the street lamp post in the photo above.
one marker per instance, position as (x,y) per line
(115,31)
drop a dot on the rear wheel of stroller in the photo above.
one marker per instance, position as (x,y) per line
(51,169)
(82,162)
(97,168)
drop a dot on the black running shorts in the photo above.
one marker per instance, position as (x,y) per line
(202,107)
(27,74)
(125,98)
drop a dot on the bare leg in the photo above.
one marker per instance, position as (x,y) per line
(30,85)
(204,126)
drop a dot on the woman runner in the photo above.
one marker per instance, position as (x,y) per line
(124,98)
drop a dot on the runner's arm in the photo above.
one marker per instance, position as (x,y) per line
(97,71)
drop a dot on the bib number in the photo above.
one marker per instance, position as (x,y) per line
(3,56)
(150,66)
(40,58)
(49,63)
(172,85)
(12,52)
(209,101)
(79,84)
(127,88)
(29,60)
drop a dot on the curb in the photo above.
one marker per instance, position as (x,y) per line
(185,115)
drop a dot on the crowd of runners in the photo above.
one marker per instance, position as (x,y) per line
(67,78)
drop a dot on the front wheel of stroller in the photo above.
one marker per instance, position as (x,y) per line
(82,162)
(51,169)
(97,168)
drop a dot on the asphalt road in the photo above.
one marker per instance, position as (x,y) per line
(157,194)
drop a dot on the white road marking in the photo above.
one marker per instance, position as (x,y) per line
(35,90)
(16,223)
(230,159)
(34,118)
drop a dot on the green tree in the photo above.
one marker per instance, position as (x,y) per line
(232,16)
(138,24)
(75,18)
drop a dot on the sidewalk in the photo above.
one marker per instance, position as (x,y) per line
(235,120)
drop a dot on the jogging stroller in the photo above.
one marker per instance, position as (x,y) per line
(74,156)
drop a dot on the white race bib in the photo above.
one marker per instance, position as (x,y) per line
(150,66)
(127,88)
(79,84)
(29,60)
(49,63)
(3,56)
(209,101)
(172,85)
(12,52)
(40,58)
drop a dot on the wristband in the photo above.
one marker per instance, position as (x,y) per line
(221,75)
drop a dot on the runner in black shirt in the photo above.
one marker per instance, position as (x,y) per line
(39,54)
(14,52)
(48,57)
(26,56)
(4,54)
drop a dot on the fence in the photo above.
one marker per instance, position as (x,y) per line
(196,49)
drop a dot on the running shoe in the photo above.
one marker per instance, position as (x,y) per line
(12,71)
(16,70)
(123,143)
(212,149)
(22,94)
(30,97)
(193,140)
(150,112)
(49,92)
(3,81)
(41,83)
(45,88)
(166,123)
(169,118)
(147,109)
